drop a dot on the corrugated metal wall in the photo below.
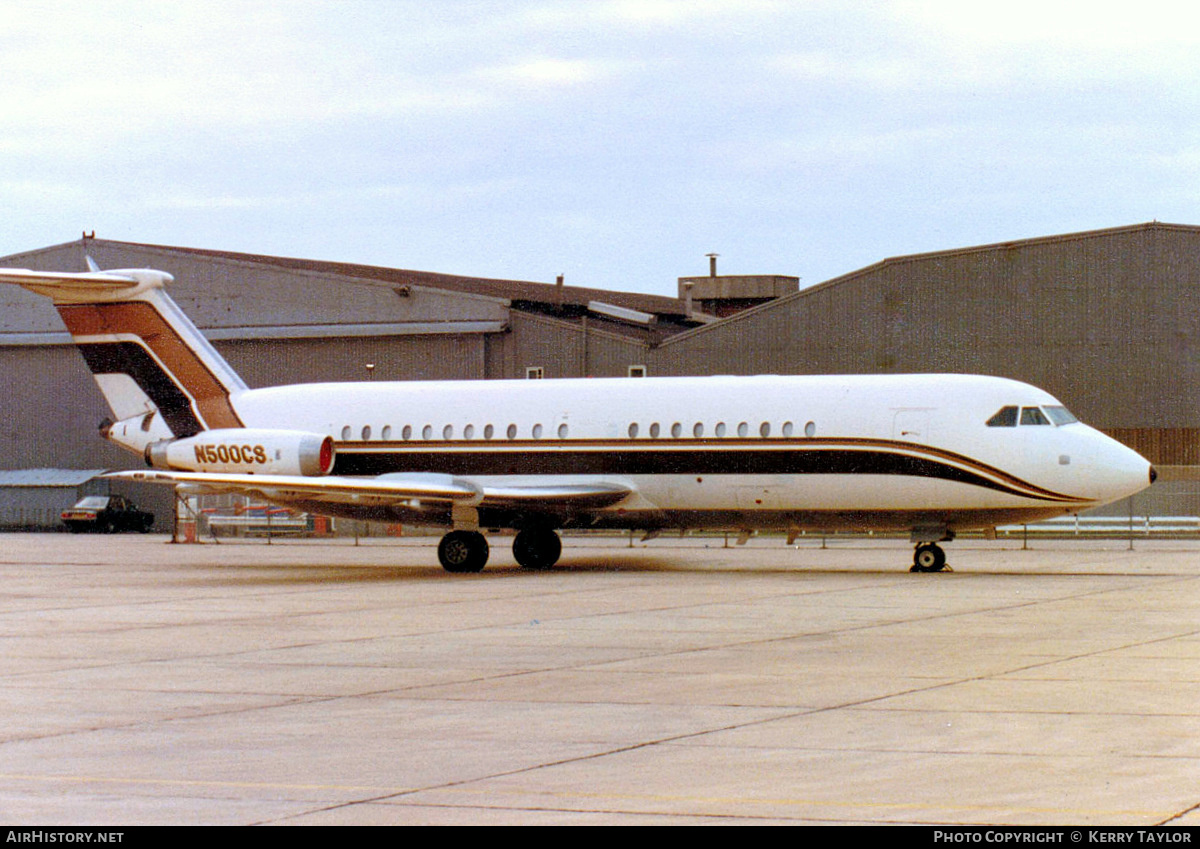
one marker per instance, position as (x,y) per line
(273,362)
(49,410)
(563,349)
(1176,446)
(40,507)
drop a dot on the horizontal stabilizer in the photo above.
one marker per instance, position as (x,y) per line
(87,286)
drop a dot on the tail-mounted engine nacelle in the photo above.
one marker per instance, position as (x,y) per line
(245,451)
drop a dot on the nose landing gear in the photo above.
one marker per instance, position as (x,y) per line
(929,557)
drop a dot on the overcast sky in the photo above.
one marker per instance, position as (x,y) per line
(615,141)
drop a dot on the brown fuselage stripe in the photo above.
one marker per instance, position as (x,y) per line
(698,457)
(137,318)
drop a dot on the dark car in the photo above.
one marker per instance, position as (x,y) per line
(107,514)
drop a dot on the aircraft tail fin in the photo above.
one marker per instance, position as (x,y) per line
(160,376)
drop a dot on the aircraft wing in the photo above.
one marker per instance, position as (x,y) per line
(404,489)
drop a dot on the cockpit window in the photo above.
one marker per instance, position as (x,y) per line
(1033,416)
(1005,417)
(1060,415)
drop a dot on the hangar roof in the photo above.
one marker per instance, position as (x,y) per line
(467,304)
(934,256)
(516,291)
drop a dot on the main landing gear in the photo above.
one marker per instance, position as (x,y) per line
(467,551)
(929,557)
(463,551)
(537,548)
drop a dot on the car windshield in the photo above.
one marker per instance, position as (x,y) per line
(94,501)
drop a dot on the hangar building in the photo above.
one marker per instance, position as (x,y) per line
(1107,320)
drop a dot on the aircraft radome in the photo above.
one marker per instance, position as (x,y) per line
(930,455)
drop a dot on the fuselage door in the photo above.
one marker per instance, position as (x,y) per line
(913,424)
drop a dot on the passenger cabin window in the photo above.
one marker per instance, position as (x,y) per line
(1033,416)
(1004,417)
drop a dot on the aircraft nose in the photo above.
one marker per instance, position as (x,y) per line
(1118,471)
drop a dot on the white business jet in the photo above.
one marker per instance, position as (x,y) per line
(931,455)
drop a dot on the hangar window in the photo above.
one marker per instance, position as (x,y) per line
(720,428)
(654,430)
(535,372)
(633,431)
(1060,415)
(1033,416)
(512,431)
(1004,417)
